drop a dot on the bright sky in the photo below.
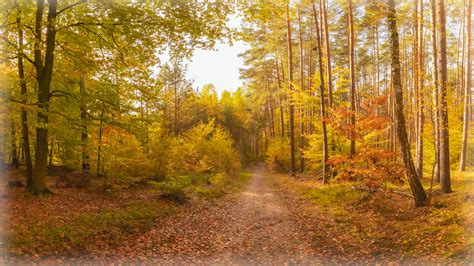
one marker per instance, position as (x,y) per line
(219,67)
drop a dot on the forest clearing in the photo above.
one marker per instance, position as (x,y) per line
(236,132)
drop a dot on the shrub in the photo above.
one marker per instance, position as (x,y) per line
(205,149)
(372,166)
(203,156)
(124,162)
(278,155)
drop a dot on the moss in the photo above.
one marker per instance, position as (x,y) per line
(333,195)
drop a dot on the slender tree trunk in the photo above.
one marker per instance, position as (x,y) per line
(282,117)
(460,68)
(84,134)
(14,151)
(290,86)
(416,89)
(328,53)
(443,86)
(436,104)
(419,194)
(51,153)
(176,101)
(321,91)
(309,112)
(467,88)
(302,140)
(43,75)
(353,80)
(377,60)
(99,154)
(421,102)
(24,115)
(272,113)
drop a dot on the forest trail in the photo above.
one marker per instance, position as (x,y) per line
(252,226)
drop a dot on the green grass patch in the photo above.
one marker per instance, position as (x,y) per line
(110,226)
(335,195)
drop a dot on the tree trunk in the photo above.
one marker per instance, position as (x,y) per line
(419,194)
(416,89)
(43,75)
(14,151)
(443,86)
(282,118)
(24,115)
(353,80)
(300,35)
(421,103)
(290,86)
(84,134)
(99,145)
(467,88)
(321,90)
(51,153)
(434,60)
(328,52)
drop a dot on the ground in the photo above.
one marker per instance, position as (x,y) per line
(273,218)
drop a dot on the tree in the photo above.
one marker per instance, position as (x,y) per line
(352,76)
(420,82)
(328,52)
(290,86)
(24,115)
(44,72)
(301,79)
(415,184)
(467,88)
(445,174)
(321,91)
(436,104)
(84,133)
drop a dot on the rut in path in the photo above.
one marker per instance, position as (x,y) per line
(252,226)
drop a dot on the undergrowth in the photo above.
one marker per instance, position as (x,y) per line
(84,232)
(388,222)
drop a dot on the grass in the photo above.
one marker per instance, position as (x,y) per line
(110,226)
(387,223)
(335,195)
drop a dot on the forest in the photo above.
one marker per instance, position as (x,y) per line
(351,139)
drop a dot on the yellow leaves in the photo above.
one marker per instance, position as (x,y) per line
(203,149)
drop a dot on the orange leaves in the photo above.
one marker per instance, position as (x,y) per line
(369,119)
(372,166)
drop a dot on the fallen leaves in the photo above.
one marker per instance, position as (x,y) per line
(270,222)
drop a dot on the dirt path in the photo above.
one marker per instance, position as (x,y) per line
(253,226)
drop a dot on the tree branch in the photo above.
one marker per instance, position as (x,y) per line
(70,6)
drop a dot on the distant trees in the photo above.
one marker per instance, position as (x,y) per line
(366,91)
(95,91)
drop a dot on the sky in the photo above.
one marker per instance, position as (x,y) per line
(219,67)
